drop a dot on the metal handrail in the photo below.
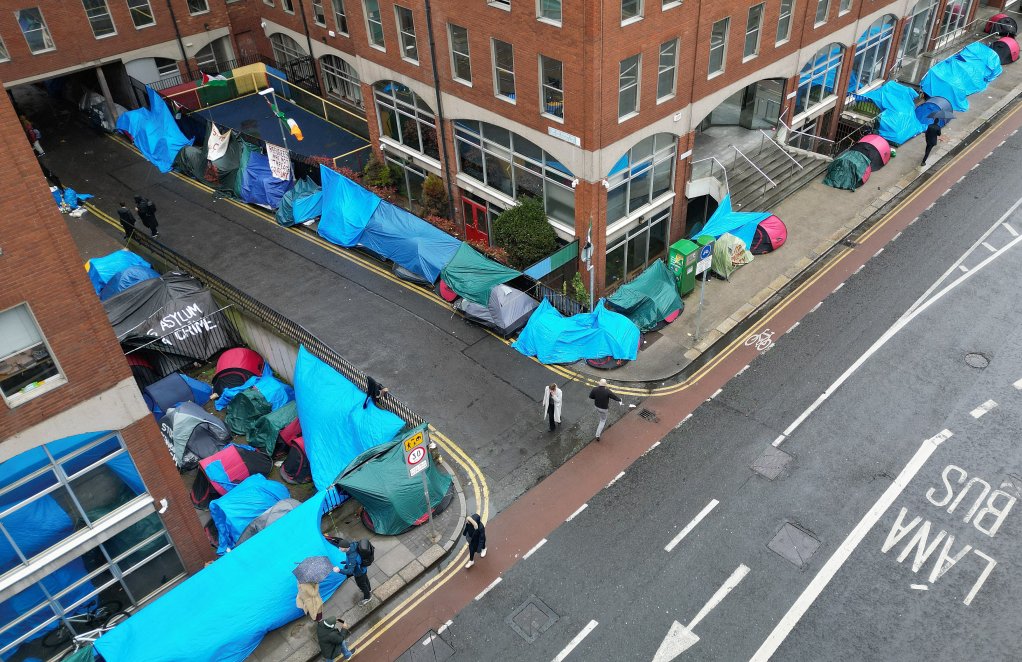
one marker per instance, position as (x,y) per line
(790,157)
(755,167)
(727,186)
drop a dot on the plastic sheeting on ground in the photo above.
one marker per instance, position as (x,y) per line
(409,241)
(472,276)
(223,611)
(259,186)
(335,424)
(964,73)
(898,122)
(102,269)
(154,132)
(648,299)
(302,203)
(235,510)
(347,208)
(741,224)
(553,338)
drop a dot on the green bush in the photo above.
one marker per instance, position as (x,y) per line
(579,290)
(377,172)
(434,196)
(523,231)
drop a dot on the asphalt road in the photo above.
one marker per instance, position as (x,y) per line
(897,547)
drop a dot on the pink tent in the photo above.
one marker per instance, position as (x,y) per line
(1006,49)
(876,149)
(770,235)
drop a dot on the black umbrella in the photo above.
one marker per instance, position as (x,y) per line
(313,570)
(942,115)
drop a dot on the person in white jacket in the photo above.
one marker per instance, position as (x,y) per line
(552,405)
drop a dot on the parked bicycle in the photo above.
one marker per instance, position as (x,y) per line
(90,623)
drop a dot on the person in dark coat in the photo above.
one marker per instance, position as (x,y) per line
(353,568)
(147,212)
(475,533)
(332,635)
(601,397)
(932,137)
(127,220)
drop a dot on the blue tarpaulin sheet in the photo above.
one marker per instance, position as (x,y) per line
(259,186)
(335,424)
(898,122)
(125,278)
(553,338)
(242,596)
(102,269)
(276,392)
(154,132)
(409,241)
(966,72)
(229,393)
(235,510)
(741,224)
(893,96)
(347,208)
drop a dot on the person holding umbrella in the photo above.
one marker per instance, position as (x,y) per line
(932,137)
(309,574)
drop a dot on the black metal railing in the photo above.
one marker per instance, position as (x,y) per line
(559,300)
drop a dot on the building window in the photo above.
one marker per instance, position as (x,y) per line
(628,86)
(871,53)
(503,70)
(822,9)
(918,28)
(318,14)
(718,46)
(551,82)
(636,249)
(784,21)
(33,26)
(285,49)
(341,81)
(26,363)
(100,21)
(197,6)
(409,181)
(461,60)
(406,119)
(955,17)
(668,4)
(406,33)
(4,55)
(268,3)
(141,13)
(631,10)
(500,4)
(374,23)
(340,17)
(752,30)
(819,78)
(667,70)
(515,167)
(844,7)
(288,6)
(549,10)
(642,175)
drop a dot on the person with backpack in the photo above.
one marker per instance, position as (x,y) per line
(147,212)
(127,221)
(355,565)
(475,533)
(331,634)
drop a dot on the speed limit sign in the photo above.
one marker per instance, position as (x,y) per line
(415,454)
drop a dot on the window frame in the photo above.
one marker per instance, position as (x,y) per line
(868,50)
(109,17)
(403,35)
(45,385)
(318,4)
(44,30)
(833,61)
(340,17)
(370,22)
(417,111)
(497,70)
(670,4)
(338,77)
(132,11)
(467,55)
(5,55)
(784,18)
(504,5)
(844,7)
(720,47)
(622,87)
(288,6)
(636,170)
(640,7)
(662,69)
(822,6)
(547,19)
(205,3)
(544,103)
(750,30)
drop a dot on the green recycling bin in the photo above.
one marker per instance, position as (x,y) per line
(682,258)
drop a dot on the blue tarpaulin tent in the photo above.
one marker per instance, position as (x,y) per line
(154,132)
(235,510)
(409,241)
(898,121)
(338,423)
(741,224)
(347,208)
(102,269)
(253,588)
(259,186)
(125,278)
(553,338)
(966,72)
(301,203)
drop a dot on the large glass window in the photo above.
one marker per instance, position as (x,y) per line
(784,21)
(409,182)
(461,60)
(288,6)
(753,27)
(642,175)
(956,15)
(285,49)
(871,53)
(26,363)
(549,10)
(503,69)
(515,167)
(406,33)
(406,119)
(551,76)
(917,28)
(33,26)
(318,15)
(198,6)
(636,249)
(822,9)
(141,13)
(374,23)
(631,10)
(819,78)
(718,46)
(628,86)
(340,80)
(666,76)
(340,16)
(100,21)
(844,7)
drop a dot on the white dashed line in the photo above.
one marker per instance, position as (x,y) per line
(987,246)
(920,587)
(534,549)
(963,268)
(440,630)
(930,207)
(655,444)
(974,167)
(716,393)
(739,374)
(960,179)
(813,309)
(878,252)
(1013,231)
(1018,385)
(838,288)
(777,442)
(895,237)
(861,267)
(983,408)
(947,191)
(913,221)
(576,641)
(488,588)
(577,512)
(616,479)
(792,328)
(691,525)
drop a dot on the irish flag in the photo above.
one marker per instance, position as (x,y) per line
(213,81)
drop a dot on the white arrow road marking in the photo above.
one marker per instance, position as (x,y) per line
(681,637)
(691,525)
(576,641)
(841,554)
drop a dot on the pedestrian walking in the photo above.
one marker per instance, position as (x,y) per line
(147,213)
(475,533)
(332,635)
(932,137)
(309,600)
(127,220)
(33,135)
(353,567)
(552,397)
(601,397)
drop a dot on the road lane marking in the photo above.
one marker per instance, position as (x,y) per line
(895,237)
(440,630)
(983,408)
(974,167)
(1009,228)
(842,283)
(534,549)
(1018,385)
(488,588)
(655,444)
(814,308)
(964,268)
(792,328)
(982,576)
(858,269)
(739,374)
(616,479)
(576,513)
(778,441)
(576,641)
(691,525)
(716,393)
(990,248)
(878,252)
(736,577)
(841,554)
(920,587)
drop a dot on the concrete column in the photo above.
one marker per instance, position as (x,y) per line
(105,89)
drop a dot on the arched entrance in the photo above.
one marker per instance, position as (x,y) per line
(757,106)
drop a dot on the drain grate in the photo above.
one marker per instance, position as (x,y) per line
(977,360)
(532,619)
(849,243)
(771,463)
(649,415)
(794,544)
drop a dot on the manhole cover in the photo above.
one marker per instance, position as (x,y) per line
(532,619)
(649,415)
(771,463)
(794,544)
(976,360)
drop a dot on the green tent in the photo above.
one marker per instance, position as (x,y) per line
(303,188)
(245,410)
(472,276)
(648,299)
(729,253)
(229,167)
(378,479)
(191,161)
(264,432)
(847,170)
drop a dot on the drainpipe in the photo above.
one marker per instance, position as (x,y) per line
(308,39)
(440,110)
(180,43)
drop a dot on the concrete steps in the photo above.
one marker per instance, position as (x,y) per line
(752,192)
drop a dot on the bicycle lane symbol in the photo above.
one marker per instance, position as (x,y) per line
(762,341)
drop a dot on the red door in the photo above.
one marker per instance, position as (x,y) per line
(476,225)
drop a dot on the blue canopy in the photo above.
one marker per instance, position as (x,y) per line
(102,269)
(892,96)
(235,510)
(409,241)
(964,73)
(276,392)
(898,121)
(154,131)
(553,338)
(741,224)
(347,208)
(259,186)
(125,278)
(223,611)
(338,421)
